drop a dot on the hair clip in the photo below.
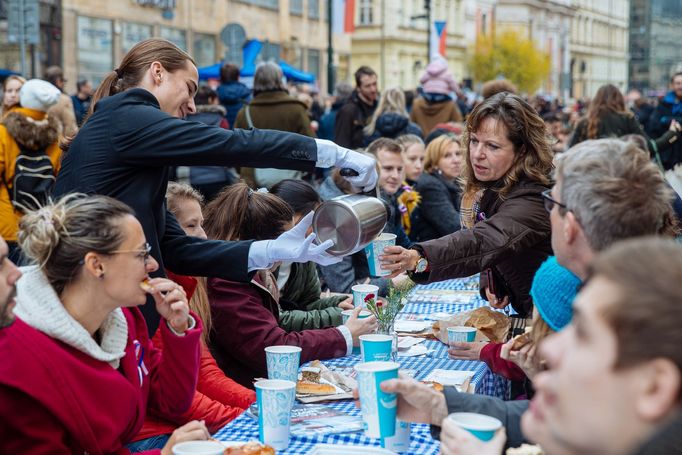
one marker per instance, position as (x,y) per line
(262,190)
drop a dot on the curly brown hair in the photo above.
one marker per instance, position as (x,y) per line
(525,129)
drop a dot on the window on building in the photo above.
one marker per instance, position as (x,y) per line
(203,49)
(175,36)
(95,48)
(270,51)
(313,9)
(132,33)
(484,24)
(314,62)
(296,7)
(270,4)
(366,12)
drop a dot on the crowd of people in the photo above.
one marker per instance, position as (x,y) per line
(155,238)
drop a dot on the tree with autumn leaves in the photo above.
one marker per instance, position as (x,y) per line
(511,55)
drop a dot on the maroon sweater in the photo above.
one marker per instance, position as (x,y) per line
(55,399)
(490,354)
(245,321)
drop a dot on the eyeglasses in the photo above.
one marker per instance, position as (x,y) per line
(144,254)
(550,201)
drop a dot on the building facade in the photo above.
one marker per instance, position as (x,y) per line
(599,45)
(655,51)
(390,38)
(97,34)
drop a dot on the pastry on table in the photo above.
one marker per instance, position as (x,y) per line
(250,448)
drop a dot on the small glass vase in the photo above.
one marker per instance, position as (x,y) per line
(388,328)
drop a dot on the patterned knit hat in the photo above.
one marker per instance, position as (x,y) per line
(553,290)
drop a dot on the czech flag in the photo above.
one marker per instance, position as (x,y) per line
(438,38)
(343,12)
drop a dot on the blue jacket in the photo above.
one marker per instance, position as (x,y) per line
(125,150)
(668,108)
(393,125)
(233,95)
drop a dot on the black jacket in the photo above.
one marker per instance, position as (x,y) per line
(351,120)
(125,150)
(438,212)
(668,109)
(393,125)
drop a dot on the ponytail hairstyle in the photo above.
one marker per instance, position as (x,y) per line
(300,195)
(132,68)
(239,213)
(58,235)
(176,193)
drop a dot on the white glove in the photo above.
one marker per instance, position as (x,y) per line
(329,154)
(292,246)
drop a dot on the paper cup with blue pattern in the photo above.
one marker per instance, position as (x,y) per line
(460,333)
(360,293)
(346,314)
(199,448)
(379,409)
(275,399)
(283,362)
(400,442)
(375,249)
(481,426)
(376,347)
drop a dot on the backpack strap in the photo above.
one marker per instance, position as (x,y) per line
(247,111)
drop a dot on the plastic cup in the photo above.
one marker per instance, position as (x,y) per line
(400,442)
(376,347)
(481,426)
(461,333)
(198,448)
(360,291)
(375,249)
(275,399)
(346,314)
(283,362)
(378,408)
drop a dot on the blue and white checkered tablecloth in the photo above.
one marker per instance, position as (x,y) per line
(245,428)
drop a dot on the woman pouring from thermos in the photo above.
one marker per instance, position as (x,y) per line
(136,132)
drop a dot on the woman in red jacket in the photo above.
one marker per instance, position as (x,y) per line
(245,315)
(218,399)
(78,372)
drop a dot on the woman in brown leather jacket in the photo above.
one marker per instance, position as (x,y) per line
(505,231)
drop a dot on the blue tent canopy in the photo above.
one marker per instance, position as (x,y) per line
(251,50)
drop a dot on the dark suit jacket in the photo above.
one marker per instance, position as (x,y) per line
(125,150)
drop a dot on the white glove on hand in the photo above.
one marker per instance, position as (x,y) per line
(294,246)
(329,154)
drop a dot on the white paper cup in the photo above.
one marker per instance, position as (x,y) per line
(461,333)
(346,314)
(378,408)
(198,448)
(360,291)
(481,426)
(375,249)
(275,400)
(283,362)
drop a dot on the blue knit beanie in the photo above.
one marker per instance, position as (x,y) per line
(553,290)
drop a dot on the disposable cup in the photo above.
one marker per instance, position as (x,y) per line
(376,347)
(198,448)
(374,250)
(461,333)
(481,426)
(400,442)
(346,314)
(378,408)
(283,362)
(275,399)
(361,291)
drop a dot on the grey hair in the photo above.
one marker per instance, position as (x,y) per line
(58,235)
(268,78)
(614,191)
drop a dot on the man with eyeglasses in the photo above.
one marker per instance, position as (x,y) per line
(606,190)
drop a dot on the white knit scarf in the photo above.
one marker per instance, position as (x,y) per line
(38,305)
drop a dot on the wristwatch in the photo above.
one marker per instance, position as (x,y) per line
(422,264)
